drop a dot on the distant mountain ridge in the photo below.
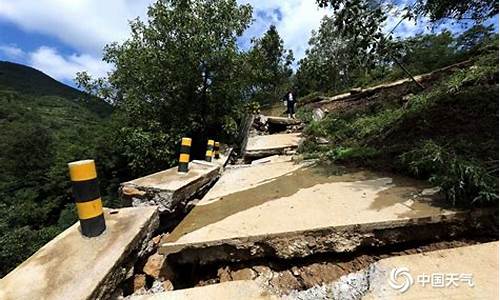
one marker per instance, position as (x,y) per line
(27,80)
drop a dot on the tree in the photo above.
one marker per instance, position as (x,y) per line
(435,10)
(426,52)
(338,54)
(177,75)
(349,16)
(269,68)
(475,37)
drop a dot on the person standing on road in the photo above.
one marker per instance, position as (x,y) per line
(290,99)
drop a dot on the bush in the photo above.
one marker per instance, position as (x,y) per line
(443,134)
(464,182)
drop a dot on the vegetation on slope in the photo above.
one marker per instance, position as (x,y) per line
(446,134)
(15,77)
(44,125)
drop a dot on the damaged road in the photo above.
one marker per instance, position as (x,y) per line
(307,211)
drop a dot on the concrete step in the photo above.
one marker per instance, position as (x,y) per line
(169,189)
(282,120)
(295,210)
(72,266)
(268,145)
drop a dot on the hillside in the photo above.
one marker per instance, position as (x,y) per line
(44,124)
(29,81)
(445,133)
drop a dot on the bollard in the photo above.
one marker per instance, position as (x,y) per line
(87,196)
(184,156)
(210,150)
(216,150)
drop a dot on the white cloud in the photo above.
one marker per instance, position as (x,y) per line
(86,25)
(12,52)
(298,19)
(65,68)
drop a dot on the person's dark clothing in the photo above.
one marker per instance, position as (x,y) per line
(290,103)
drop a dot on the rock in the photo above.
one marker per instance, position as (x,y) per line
(285,281)
(243,274)
(317,274)
(295,271)
(139,282)
(354,91)
(223,274)
(156,240)
(408,97)
(263,272)
(152,246)
(322,141)
(431,192)
(131,191)
(318,114)
(157,287)
(168,286)
(154,265)
(141,291)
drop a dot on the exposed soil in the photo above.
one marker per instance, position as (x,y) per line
(285,275)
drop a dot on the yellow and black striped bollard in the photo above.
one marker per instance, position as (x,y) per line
(88,197)
(210,151)
(216,150)
(184,156)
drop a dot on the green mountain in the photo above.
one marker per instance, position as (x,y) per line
(29,81)
(44,124)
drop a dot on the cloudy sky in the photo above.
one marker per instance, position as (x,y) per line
(61,37)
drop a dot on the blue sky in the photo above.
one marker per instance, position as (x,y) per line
(61,37)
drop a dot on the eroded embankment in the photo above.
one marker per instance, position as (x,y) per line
(217,241)
(283,276)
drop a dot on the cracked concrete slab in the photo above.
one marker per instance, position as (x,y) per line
(281,120)
(242,289)
(169,189)
(467,273)
(272,159)
(474,277)
(267,145)
(244,177)
(302,210)
(72,266)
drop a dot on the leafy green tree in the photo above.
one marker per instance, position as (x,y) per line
(426,52)
(269,68)
(177,75)
(351,18)
(435,10)
(338,54)
(475,37)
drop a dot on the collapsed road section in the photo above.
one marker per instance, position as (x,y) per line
(289,210)
(267,145)
(171,190)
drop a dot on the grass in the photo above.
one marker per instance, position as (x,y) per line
(446,134)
